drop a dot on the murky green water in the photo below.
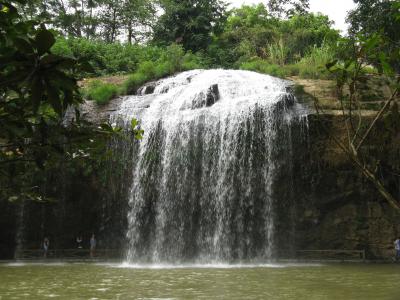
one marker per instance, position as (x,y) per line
(113,281)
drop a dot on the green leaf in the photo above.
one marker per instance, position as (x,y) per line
(4,9)
(54,98)
(386,67)
(51,59)
(329,65)
(134,123)
(67,63)
(61,80)
(139,134)
(44,41)
(68,98)
(36,93)
(85,66)
(106,127)
(23,46)
(348,64)
(372,42)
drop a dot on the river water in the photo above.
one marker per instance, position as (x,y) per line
(275,281)
(204,190)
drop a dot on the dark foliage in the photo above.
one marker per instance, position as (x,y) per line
(189,22)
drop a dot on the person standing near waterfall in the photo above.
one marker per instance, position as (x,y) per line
(79,241)
(92,245)
(46,244)
(397,248)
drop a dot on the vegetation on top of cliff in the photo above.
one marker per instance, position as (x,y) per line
(208,36)
(233,38)
(99,91)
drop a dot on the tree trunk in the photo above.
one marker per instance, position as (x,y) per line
(113,26)
(130,33)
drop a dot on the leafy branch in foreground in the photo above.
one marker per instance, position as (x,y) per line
(371,144)
(37,87)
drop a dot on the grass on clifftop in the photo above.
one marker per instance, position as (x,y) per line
(101,92)
(311,66)
(173,60)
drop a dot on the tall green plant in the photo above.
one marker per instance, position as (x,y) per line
(278,52)
(312,65)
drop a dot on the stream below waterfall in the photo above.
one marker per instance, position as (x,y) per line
(272,282)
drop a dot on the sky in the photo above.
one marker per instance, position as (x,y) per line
(335,9)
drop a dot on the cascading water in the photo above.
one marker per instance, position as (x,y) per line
(203,178)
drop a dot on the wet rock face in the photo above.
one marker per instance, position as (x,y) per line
(147,89)
(8,223)
(209,98)
(331,205)
(287,100)
(92,112)
(212,95)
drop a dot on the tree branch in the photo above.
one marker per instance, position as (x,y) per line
(377,117)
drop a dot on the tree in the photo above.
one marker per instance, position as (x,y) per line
(372,17)
(288,8)
(189,22)
(247,32)
(371,144)
(130,17)
(36,89)
(34,9)
(305,31)
(73,17)
(251,31)
(110,20)
(137,17)
(91,19)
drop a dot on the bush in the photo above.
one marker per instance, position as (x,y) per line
(173,57)
(172,60)
(148,69)
(191,61)
(105,58)
(100,92)
(62,47)
(313,64)
(163,69)
(134,81)
(263,66)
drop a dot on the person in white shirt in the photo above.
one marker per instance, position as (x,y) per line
(79,242)
(397,248)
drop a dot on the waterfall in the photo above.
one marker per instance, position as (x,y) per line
(203,176)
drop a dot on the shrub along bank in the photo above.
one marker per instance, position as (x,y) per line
(170,60)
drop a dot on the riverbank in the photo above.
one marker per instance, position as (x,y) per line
(122,261)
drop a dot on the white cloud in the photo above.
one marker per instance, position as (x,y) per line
(336,9)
